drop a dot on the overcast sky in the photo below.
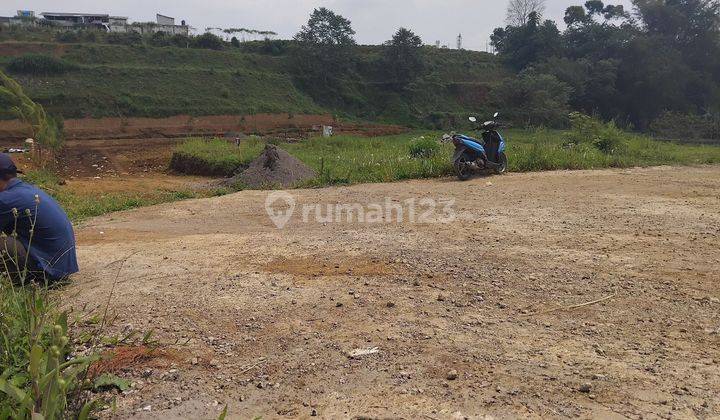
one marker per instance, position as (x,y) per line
(373,20)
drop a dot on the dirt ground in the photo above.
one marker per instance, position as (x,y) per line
(99,148)
(558,294)
(281,125)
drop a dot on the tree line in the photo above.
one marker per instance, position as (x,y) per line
(642,68)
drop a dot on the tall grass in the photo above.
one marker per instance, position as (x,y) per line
(541,150)
(39,65)
(216,156)
(349,159)
(39,373)
(39,376)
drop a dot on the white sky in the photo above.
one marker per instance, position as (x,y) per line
(373,20)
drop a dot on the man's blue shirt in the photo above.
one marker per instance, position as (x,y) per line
(53,242)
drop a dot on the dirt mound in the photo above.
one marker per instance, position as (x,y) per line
(274,167)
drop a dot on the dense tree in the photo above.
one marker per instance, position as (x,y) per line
(208,41)
(518,11)
(325,49)
(534,99)
(520,46)
(326,28)
(402,60)
(576,15)
(631,68)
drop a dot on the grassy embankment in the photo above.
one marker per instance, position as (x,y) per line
(101,80)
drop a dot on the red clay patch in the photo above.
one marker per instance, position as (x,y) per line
(132,357)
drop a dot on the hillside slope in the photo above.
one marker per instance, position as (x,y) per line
(143,81)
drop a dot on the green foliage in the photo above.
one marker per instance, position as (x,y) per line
(325,51)
(38,373)
(520,46)
(550,150)
(423,147)
(208,41)
(108,381)
(402,59)
(215,156)
(673,125)
(591,144)
(47,131)
(39,65)
(88,35)
(534,99)
(131,38)
(39,376)
(326,28)
(627,68)
(260,77)
(606,137)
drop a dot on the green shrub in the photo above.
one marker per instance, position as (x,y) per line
(128,38)
(423,148)
(67,36)
(215,157)
(39,65)
(208,41)
(679,126)
(606,137)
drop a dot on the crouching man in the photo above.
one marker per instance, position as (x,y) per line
(37,241)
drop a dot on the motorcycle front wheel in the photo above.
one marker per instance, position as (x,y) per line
(502,164)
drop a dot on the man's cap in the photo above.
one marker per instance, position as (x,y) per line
(7,166)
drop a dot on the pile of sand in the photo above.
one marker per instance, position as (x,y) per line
(274,168)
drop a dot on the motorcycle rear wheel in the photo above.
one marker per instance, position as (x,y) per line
(462,169)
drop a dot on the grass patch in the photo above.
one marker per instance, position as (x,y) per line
(39,65)
(214,157)
(542,150)
(352,160)
(82,206)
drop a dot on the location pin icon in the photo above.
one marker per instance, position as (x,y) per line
(280,206)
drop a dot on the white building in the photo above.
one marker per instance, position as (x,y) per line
(165,24)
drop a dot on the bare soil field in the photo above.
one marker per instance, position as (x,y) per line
(558,294)
(101,147)
(283,125)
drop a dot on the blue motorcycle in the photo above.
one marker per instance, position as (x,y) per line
(474,155)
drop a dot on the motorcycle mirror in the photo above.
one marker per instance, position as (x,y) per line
(497,114)
(472,119)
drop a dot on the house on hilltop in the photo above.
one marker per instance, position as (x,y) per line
(164,24)
(100,21)
(23,17)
